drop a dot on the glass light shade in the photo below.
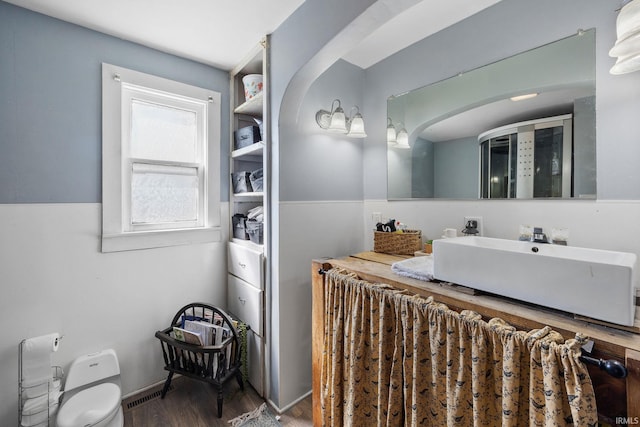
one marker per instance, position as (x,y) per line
(402,140)
(626,64)
(338,122)
(391,135)
(356,128)
(626,46)
(628,21)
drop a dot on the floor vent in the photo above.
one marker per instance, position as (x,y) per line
(139,400)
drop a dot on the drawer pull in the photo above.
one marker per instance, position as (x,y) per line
(242,265)
(242,300)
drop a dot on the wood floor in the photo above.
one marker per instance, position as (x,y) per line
(193,404)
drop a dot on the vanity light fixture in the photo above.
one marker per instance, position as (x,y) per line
(356,124)
(391,133)
(523,97)
(627,46)
(337,122)
(402,139)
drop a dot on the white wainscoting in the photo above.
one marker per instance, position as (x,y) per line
(602,224)
(308,230)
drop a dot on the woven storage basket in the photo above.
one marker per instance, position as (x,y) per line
(405,243)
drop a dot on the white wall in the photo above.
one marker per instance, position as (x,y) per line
(602,224)
(55,279)
(313,230)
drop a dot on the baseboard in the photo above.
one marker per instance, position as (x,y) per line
(144,389)
(290,405)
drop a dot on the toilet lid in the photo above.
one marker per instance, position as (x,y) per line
(89,406)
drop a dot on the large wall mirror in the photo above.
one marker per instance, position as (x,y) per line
(523,127)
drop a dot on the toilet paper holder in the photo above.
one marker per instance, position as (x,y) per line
(39,393)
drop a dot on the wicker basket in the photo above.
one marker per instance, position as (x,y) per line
(405,243)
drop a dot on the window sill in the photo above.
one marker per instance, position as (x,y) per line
(159,239)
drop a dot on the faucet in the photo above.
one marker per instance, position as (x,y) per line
(538,236)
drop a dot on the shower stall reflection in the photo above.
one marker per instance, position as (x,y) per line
(531,159)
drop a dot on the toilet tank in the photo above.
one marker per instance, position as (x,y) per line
(91,368)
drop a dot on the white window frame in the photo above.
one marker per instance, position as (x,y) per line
(118,234)
(131,93)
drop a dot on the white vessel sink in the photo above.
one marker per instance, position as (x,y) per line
(589,282)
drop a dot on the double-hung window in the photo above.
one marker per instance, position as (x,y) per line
(160,161)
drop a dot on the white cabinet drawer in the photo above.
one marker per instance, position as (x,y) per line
(245,264)
(245,301)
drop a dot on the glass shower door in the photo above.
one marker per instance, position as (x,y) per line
(552,162)
(498,167)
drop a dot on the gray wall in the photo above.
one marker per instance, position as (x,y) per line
(315,164)
(422,169)
(446,169)
(584,148)
(507,28)
(50,105)
(456,162)
(300,176)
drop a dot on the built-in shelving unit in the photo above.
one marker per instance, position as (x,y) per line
(256,150)
(247,257)
(252,107)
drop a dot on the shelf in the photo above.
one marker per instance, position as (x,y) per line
(254,150)
(252,107)
(249,196)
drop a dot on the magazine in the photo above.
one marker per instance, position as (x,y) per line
(189,337)
(204,328)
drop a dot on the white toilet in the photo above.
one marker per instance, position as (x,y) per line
(92,395)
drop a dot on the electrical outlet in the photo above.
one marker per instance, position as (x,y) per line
(478,220)
(376,217)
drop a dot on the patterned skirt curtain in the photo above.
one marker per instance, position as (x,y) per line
(395,359)
(362,366)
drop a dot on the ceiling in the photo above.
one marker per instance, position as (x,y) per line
(215,32)
(414,24)
(478,120)
(221,32)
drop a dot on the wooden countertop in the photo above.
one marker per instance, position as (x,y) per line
(376,267)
